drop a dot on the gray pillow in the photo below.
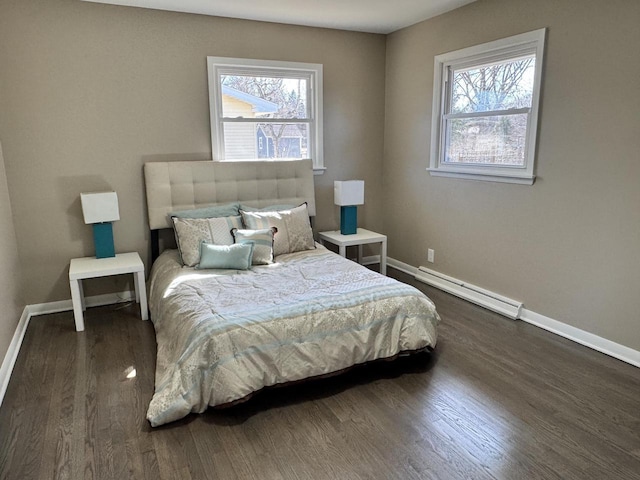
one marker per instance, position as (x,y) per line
(191,232)
(294,229)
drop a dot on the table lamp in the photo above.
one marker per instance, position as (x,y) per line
(348,194)
(100,209)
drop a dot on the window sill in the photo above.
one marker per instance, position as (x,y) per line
(319,170)
(482,176)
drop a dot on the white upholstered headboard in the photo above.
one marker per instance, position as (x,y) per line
(174,186)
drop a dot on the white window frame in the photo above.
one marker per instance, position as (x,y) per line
(499,50)
(226,65)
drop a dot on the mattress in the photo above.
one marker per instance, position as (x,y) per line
(225,334)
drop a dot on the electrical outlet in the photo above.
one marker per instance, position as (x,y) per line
(430,255)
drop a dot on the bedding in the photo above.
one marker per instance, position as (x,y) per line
(224,334)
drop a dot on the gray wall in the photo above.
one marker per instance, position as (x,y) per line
(11,301)
(89,92)
(568,245)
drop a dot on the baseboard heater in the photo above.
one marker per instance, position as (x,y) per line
(489,300)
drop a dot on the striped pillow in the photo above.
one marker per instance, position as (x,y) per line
(262,241)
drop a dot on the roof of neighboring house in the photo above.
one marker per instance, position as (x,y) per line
(260,105)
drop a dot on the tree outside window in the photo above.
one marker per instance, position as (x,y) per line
(485,110)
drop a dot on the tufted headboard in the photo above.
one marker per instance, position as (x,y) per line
(174,186)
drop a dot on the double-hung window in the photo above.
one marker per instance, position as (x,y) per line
(265,110)
(485,110)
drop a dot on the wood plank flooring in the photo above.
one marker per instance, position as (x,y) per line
(497,400)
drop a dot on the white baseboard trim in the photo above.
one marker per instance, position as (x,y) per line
(94,301)
(608,347)
(6,369)
(613,349)
(371,260)
(472,293)
(12,352)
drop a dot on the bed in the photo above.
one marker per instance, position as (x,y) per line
(225,334)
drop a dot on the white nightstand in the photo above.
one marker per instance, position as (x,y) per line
(362,237)
(92,267)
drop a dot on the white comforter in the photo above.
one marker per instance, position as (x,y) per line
(223,335)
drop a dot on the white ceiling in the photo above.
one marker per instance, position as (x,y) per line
(375,16)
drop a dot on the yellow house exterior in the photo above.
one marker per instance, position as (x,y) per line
(240,138)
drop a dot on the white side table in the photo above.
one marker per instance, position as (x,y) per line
(362,237)
(92,267)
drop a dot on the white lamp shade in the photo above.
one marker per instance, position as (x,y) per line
(100,207)
(348,192)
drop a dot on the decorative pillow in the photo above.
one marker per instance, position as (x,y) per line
(262,241)
(191,232)
(294,229)
(236,257)
(216,211)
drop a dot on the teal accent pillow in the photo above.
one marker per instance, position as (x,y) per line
(262,241)
(236,257)
(216,211)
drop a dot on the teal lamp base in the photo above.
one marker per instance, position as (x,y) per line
(349,220)
(103,240)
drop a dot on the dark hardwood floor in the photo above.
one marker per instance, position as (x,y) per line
(498,399)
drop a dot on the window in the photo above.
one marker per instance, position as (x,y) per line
(485,110)
(265,110)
